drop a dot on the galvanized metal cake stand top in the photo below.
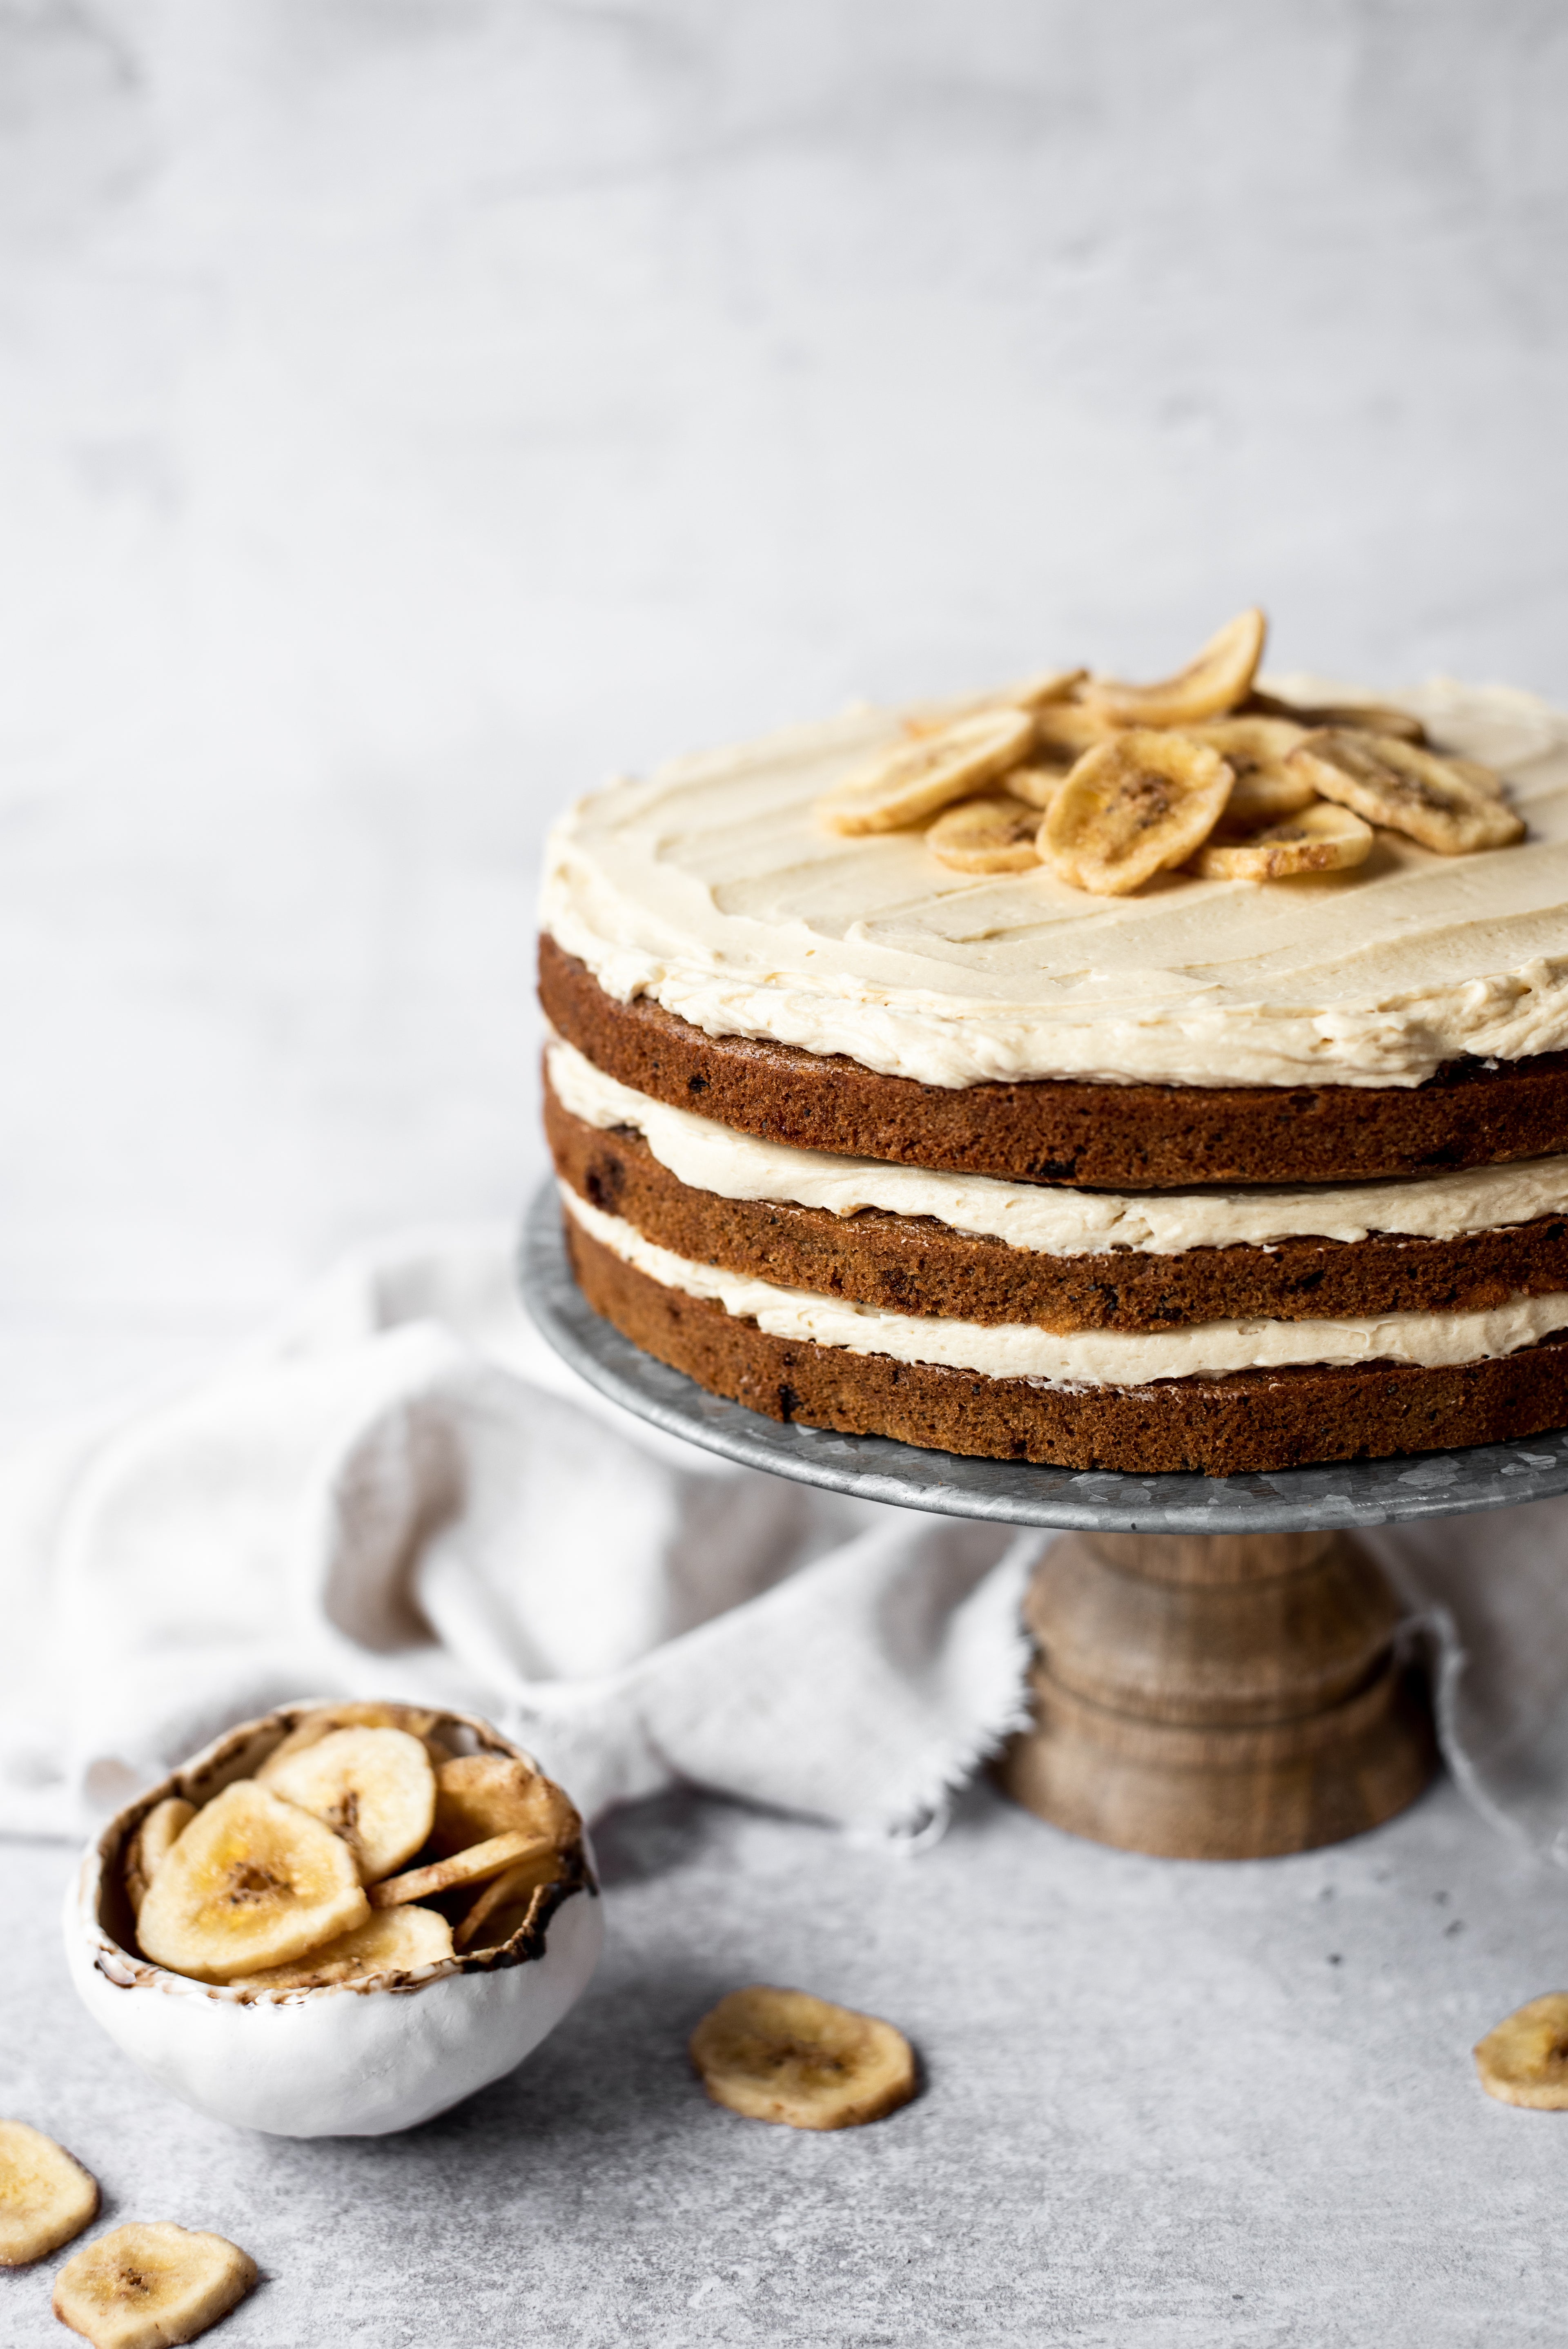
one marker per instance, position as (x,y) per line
(1356,1493)
(1219,1671)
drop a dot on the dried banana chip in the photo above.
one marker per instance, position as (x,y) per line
(1132,808)
(1360,717)
(1407,790)
(1322,839)
(485,1924)
(1525,2061)
(471,1867)
(1036,786)
(1207,687)
(416,1719)
(151,1846)
(783,2055)
(253,1881)
(390,1942)
(145,2287)
(484,1794)
(1255,750)
(46,2194)
(902,785)
(986,835)
(374,1786)
(1034,692)
(1063,732)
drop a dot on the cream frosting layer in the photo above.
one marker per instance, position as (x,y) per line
(1086,1358)
(1033,1215)
(712,888)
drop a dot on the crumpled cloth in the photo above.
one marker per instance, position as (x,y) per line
(398,1490)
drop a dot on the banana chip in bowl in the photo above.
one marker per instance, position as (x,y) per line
(337,1920)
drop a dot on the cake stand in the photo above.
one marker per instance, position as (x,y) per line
(1219,1672)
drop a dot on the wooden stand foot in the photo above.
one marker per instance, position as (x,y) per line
(1217,1696)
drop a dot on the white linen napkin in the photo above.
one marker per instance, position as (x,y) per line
(399,1490)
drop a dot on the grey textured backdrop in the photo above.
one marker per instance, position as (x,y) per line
(412,411)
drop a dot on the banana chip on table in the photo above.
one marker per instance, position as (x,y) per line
(151,1846)
(46,2194)
(390,1942)
(146,2287)
(1437,802)
(784,2055)
(255,1881)
(901,785)
(1220,676)
(375,1786)
(986,835)
(1525,2061)
(1132,808)
(1322,838)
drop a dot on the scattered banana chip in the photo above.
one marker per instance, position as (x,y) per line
(390,1942)
(484,1794)
(1322,839)
(253,1881)
(1132,808)
(505,1903)
(46,2194)
(151,1846)
(374,1786)
(783,2055)
(1207,687)
(1407,790)
(986,836)
(901,786)
(1525,2061)
(471,1867)
(146,2287)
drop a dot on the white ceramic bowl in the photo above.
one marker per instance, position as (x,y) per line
(344,2060)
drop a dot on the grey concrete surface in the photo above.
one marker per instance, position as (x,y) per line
(1165,2105)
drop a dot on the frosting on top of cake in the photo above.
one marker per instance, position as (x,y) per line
(713,889)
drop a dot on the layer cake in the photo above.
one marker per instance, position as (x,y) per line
(1182,1172)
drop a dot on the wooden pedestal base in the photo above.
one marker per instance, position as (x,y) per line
(1217,1696)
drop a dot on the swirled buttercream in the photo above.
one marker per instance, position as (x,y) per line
(712,889)
(1052,1222)
(1081,1358)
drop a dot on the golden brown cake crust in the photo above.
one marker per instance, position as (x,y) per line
(1048,1130)
(1250,1423)
(911,1263)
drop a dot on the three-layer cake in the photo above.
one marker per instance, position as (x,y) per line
(1215,1174)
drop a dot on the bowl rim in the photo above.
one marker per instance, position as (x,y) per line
(237,1754)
